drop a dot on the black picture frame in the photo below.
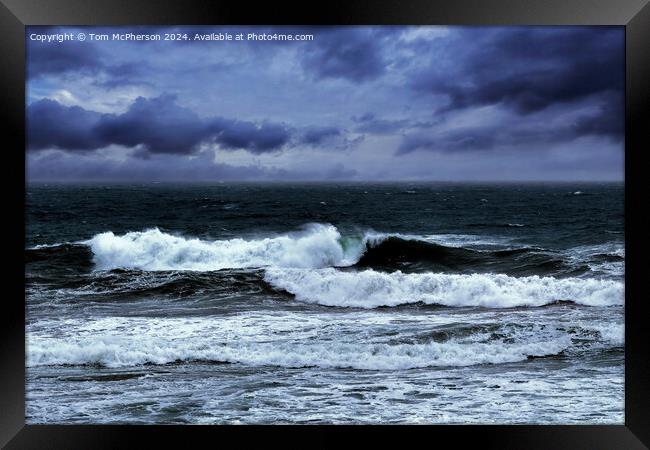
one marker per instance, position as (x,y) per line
(633,14)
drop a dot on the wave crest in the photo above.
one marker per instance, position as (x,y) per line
(322,245)
(316,246)
(371,289)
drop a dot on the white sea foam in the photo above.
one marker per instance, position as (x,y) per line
(42,246)
(587,255)
(316,246)
(371,289)
(121,342)
(612,333)
(470,241)
(120,353)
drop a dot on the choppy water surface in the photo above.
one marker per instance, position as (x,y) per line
(349,303)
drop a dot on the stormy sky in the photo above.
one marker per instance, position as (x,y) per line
(355,103)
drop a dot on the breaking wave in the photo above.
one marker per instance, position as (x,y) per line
(316,246)
(319,246)
(372,289)
(158,345)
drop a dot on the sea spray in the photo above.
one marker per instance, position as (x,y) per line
(316,246)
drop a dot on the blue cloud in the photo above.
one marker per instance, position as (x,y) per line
(348,53)
(527,69)
(52,125)
(381,91)
(319,135)
(158,125)
(55,59)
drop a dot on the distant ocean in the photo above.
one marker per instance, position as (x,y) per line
(325,303)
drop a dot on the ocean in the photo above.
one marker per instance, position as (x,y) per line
(232,303)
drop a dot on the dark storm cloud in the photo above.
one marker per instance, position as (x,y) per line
(256,138)
(610,120)
(45,59)
(353,54)
(327,137)
(496,93)
(538,74)
(527,69)
(160,125)
(477,138)
(318,135)
(52,125)
(74,58)
(605,122)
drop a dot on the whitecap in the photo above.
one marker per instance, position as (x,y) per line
(372,289)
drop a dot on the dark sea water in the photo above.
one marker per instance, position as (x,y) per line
(325,303)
